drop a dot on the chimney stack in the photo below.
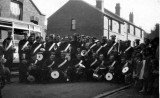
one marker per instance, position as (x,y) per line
(131,17)
(117,9)
(100,5)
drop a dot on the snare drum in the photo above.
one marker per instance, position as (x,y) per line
(109,76)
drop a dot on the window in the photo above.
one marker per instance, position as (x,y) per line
(128,28)
(110,24)
(16,10)
(119,30)
(73,24)
(141,34)
(134,31)
(35,20)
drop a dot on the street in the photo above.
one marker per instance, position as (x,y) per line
(57,90)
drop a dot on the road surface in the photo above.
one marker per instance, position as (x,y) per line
(57,90)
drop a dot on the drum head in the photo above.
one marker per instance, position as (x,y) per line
(109,76)
(39,57)
(31,78)
(125,69)
(55,74)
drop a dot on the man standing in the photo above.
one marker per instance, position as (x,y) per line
(23,49)
(9,50)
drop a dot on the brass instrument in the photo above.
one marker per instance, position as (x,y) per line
(84,52)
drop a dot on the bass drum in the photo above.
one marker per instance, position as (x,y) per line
(57,75)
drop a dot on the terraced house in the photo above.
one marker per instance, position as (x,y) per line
(83,18)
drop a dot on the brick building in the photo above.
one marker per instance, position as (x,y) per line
(19,17)
(23,12)
(83,18)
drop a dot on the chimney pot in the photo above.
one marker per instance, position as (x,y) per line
(100,5)
(131,17)
(117,9)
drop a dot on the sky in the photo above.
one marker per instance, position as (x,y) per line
(146,12)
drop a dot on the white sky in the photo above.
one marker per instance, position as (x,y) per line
(146,12)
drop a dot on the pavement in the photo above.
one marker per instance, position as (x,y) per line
(128,93)
(71,90)
(57,90)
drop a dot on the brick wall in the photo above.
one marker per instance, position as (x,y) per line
(28,11)
(5,11)
(89,21)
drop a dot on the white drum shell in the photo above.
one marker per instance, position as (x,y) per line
(55,74)
(109,76)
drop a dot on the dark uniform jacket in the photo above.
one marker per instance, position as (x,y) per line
(9,53)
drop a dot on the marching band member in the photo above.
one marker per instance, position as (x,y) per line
(37,50)
(37,46)
(47,67)
(23,56)
(8,45)
(33,73)
(112,65)
(65,45)
(61,62)
(61,65)
(104,40)
(74,44)
(78,66)
(91,65)
(98,45)
(128,51)
(100,70)
(49,46)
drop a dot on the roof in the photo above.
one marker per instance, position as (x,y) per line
(37,8)
(107,13)
(16,21)
(112,15)
(116,16)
